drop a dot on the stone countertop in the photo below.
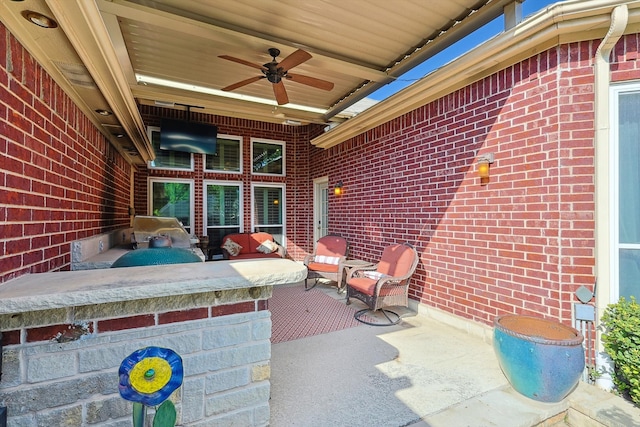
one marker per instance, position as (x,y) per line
(44,291)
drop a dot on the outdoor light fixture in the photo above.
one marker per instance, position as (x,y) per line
(103,112)
(484,163)
(39,19)
(338,190)
(148,80)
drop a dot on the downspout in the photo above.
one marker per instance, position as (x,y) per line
(619,20)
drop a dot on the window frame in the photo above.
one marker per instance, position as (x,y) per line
(282,204)
(150,131)
(272,142)
(615,91)
(156,179)
(240,160)
(205,184)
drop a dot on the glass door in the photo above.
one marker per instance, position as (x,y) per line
(320,208)
(625,173)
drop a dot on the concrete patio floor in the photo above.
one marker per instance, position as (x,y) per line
(418,373)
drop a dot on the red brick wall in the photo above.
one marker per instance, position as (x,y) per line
(299,209)
(522,243)
(60,179)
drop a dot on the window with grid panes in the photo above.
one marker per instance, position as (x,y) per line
(228,157)
(223,211)
(268,205)
(167,159)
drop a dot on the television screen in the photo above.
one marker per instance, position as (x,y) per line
(178,135)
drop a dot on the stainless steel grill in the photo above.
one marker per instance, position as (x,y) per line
(147,227)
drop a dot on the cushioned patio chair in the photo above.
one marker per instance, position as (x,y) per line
(325,261)
(384,284)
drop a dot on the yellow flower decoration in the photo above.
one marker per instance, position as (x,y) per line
(150,375)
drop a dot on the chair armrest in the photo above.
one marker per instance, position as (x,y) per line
(399,282)
(308,258)
(355,271)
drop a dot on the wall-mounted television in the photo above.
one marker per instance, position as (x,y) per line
(191,137)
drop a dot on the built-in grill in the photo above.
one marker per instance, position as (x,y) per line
(158,240)
(146,228)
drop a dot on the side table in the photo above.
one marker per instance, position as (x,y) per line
(344,267)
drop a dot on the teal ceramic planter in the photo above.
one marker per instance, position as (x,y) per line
(542,359)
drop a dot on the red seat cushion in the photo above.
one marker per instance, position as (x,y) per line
(318,266)
(249,242)
(256,239)
(368,286)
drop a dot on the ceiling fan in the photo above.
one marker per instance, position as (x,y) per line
(275,72)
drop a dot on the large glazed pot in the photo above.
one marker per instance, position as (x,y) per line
(542,359)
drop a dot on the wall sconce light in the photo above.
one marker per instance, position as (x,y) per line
(337,189)
(484,167)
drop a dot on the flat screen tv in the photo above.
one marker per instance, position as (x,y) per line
(191,137)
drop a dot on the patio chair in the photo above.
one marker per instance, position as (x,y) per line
(384,284)
(325,261)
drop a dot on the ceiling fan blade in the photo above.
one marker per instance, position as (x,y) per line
(242,83)
(280,92)
(241,61)
(310,81)
(293,60)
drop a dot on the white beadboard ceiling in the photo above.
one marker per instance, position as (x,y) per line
(358,45)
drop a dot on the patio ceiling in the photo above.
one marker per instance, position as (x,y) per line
(106,54)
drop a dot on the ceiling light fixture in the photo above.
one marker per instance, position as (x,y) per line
(39,19)
(103,112)
(208,91)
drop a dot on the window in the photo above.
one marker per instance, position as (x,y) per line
(166,159)
(172,198)
(267,207)
(229,156)
(625,175)
(222,210)
(267,157)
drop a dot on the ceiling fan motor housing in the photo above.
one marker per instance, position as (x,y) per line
(273,73)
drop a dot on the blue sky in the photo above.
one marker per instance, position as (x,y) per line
(491,29)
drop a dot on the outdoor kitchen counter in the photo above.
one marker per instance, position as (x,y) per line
(65,336)
(45,291)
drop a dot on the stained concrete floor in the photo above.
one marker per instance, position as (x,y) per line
(418,373)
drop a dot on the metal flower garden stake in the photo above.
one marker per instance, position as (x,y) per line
(147,378)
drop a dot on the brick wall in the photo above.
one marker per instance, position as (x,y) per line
(524,242)
(299,189)
(60,179)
